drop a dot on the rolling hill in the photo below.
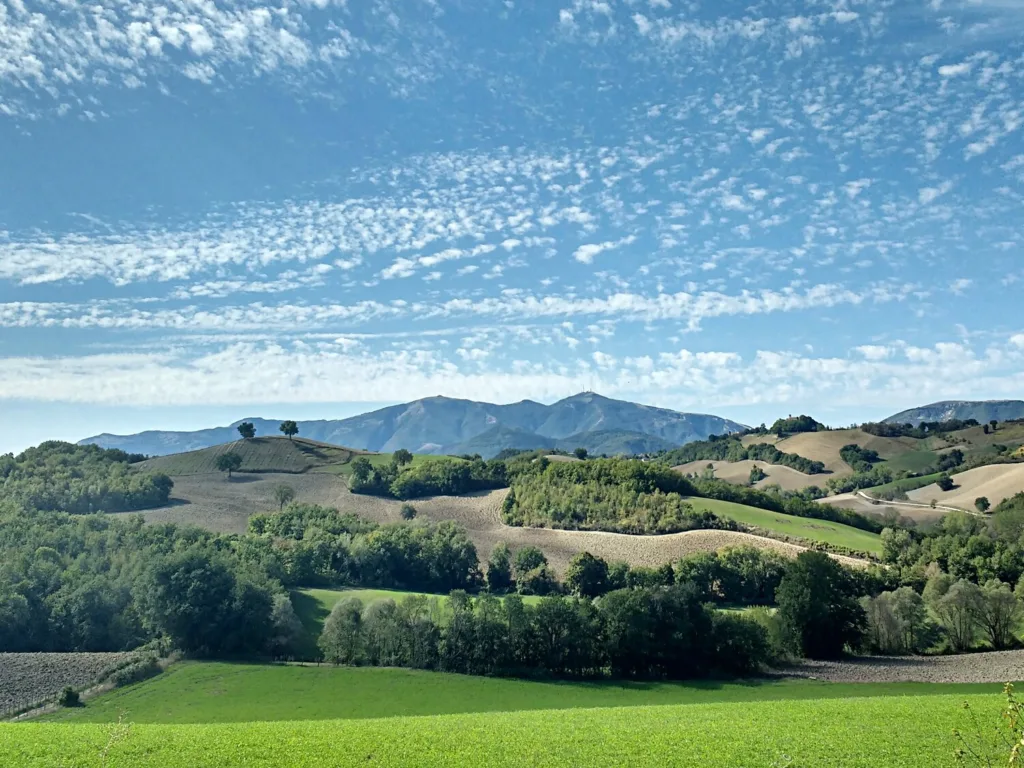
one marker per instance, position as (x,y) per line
(441,425)
(983,411)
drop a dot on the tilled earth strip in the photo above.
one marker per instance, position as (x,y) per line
(991,667)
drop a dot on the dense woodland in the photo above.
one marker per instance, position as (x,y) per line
(79,479)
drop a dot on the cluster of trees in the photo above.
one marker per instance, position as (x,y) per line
(401,479)
(794,424)
(962,612)
(731,448)
(80,479)
(308,545)
(923,430)
(661,633)
(607,495)
(96,583)
(876,475)
(860,459)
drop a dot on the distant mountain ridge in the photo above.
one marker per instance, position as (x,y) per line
(982,410)
(446,425)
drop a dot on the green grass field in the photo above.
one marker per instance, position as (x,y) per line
(906,484)
(912,461)
(806,528)
(215,714)
(220,692)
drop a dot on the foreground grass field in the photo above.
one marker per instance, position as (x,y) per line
(215,692)
(802,527)
(854,733)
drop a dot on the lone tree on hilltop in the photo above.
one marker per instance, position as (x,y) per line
(401,457)
(247,430)
(229,462)
(982,503)
(283,494)
(289,429)
(994,424)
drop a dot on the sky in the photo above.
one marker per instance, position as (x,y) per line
(212,209)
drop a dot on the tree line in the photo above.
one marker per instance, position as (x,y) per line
(731,448)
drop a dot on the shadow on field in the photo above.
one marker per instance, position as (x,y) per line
(246,477)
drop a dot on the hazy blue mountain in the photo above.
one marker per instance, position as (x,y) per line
(982,410)
(444,425)
(613,442)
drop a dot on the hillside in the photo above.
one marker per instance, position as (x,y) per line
(825,446)
(260,454)
(983,411)
(738,472)
(995,482)
(441,425)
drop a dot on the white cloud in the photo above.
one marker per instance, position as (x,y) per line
(585,253)
(927,195)
(960,285)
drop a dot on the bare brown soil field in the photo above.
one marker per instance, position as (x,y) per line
(995,482)
(738,472)
(825,446)
(27,679)
(220,505)
(560,457)
(992,667)
(923,515)
(214,502)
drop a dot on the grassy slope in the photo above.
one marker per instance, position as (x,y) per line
(216,692)
(907,484)
(735,730)
(261,454)
(805,528)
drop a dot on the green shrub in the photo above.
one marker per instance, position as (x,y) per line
(69,698)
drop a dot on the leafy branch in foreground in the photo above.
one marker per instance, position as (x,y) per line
(1008,737)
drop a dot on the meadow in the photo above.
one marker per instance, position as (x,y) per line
(789,525)
(247,715)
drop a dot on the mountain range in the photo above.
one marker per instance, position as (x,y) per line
(982,410)
(442,425)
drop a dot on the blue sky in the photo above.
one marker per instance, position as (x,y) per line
(214,209)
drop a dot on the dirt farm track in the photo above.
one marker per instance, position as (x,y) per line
(213,502)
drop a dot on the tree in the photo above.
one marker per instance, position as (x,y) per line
(982,504)
(945,483)
(580,453)
(985,428)
(289,429)
(341,640)
(286,624)
(247,430)
(817,607)
(408,512)
(229,462)
(401,457)
(528,559)
(587,576)
(756,474)
(499,569)
(957,611)
(283,494)
(994,424)
(999,613)
(361,469)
